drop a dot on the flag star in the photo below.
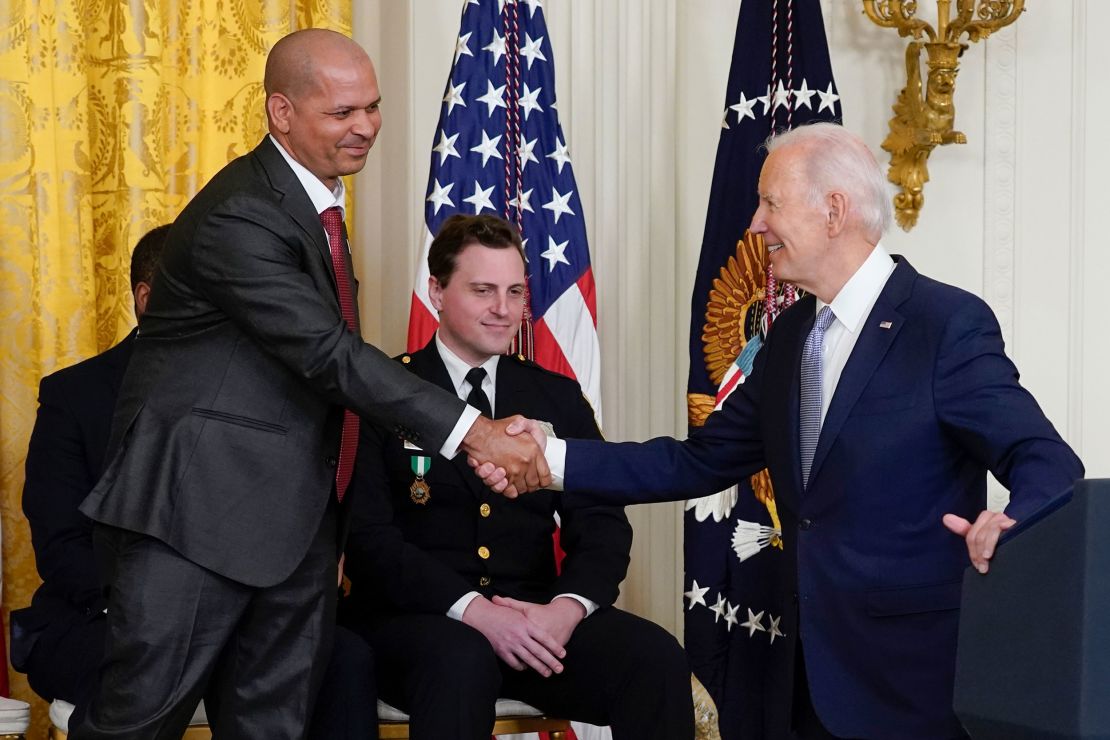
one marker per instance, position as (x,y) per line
(828,100)
(524,151)
(802,96)
(554,253)
(560,155)
(782,97)
(454,97)
(533,5)
(558,204)
(496,47)
(524,198)
(696,595)
(439,195)
(724,118)
(446,146)
(744,108)
(773,630)
(766,100)
(480,199)
(488,148)
(754,623)
(531,49)
(462,47)
(528,100)
(494,97)
(473,2)
(730,618)
(719,608)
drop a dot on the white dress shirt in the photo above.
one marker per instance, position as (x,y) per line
(851,307)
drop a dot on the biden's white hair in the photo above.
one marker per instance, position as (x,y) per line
(837,159)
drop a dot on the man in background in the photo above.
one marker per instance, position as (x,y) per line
(457,589)
(58,641)
(237,421)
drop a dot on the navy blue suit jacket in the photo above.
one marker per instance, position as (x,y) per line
(870,582)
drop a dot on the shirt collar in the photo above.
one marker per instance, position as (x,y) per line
(855,299)
(457,368)
(322,198)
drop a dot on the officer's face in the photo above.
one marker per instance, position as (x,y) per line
(481,306)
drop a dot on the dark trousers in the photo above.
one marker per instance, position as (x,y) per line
(347,707)
(65,659)
(620,670)
(178,632)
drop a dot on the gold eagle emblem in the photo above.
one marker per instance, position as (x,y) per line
(735,314)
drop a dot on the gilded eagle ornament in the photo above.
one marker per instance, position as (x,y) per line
(737,317)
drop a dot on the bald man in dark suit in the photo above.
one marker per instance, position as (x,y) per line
(234,434)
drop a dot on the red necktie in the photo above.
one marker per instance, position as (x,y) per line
(332,219)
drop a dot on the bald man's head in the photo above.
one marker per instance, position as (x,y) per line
(322,102)
(292,62)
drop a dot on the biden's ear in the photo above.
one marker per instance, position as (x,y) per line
(837,217)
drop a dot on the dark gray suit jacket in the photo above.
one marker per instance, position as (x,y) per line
(226,433)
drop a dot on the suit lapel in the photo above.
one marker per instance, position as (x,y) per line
(879,331)
(428,365)
(295,201)
(512,395)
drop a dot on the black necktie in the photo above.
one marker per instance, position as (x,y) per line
(478,398)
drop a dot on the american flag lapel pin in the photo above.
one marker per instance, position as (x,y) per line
(885,324)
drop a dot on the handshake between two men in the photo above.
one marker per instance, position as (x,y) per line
(508,462)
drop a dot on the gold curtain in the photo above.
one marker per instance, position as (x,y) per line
(113,113)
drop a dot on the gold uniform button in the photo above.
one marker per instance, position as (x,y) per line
(483,552)
(484,509)
(483,581)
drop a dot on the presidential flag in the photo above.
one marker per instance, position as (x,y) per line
(498,148)
(780,77)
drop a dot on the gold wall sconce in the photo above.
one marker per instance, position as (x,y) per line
(924,118)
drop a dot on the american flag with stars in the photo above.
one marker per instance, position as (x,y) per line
(498,148)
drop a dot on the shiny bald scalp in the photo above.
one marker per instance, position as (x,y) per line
(291,64)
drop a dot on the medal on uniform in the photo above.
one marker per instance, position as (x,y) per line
(419,491)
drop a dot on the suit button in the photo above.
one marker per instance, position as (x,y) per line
(806,524)
(484,509)
(483,581)
(483,552)
(331,461)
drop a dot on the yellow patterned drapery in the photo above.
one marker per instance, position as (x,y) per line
(113,113)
